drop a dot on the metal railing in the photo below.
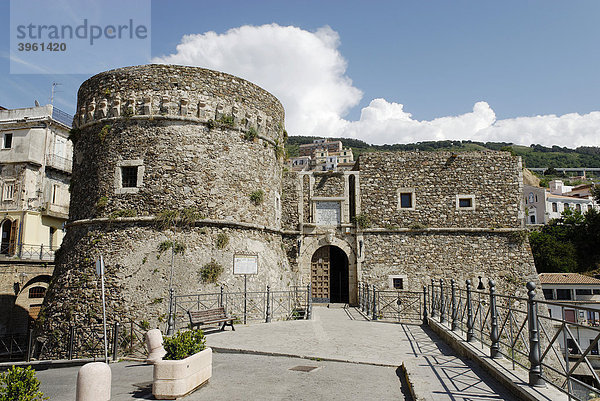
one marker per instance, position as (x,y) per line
(249,306)
(28,251)
(62,117)
(398,305)
(59,162)
(524,331)
(78,342)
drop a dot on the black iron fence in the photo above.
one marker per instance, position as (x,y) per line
(556,342)
(245,307)
(78,342)
(28,251)
(398,305)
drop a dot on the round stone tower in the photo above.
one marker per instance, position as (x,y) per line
(169,155)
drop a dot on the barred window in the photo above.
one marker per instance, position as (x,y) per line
(129,176)
(37,292)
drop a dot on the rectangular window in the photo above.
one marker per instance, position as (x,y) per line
(554,207)
(562,294)
(406,200)
(567,206)
(571,344)
(129,176)
(583,292)
(54,193)
(532,219)
(7,143)
(465,202)
(589,207)
(398,283)
(596,291)
(548,294)
(8,192)
(578,207)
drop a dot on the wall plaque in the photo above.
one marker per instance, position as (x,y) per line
(328,213)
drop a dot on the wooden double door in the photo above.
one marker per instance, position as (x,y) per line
(329,275)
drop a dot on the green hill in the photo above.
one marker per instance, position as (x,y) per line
(533,156)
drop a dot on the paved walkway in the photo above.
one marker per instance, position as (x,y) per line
(354,359)
(332,334)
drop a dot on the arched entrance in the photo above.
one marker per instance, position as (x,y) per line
(329,275)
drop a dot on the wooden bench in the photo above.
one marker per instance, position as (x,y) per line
(210,316)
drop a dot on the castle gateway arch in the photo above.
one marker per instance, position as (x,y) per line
(329,275)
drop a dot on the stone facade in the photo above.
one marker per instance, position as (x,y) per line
(437,178)
(204,148)
(169,153)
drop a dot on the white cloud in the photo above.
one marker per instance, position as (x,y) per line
(307,73)
(384,122)
(304,70)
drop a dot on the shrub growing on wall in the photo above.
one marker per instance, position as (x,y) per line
(222,240)
(257,197)
(210,272)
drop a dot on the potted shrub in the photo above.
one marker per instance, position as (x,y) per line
(186,366)
(20,384)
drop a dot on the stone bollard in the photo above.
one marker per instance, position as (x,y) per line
(154,343)
(93,382)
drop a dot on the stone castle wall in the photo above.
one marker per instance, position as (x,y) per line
(201,142)
(493,178)
(420,256)
(436,239)
(137,273)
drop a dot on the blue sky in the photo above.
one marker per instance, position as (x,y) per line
(395,71)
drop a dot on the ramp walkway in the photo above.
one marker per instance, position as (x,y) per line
(343,335)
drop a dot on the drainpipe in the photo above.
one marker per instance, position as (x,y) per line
(20,235)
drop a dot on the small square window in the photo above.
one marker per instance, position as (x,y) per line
(465,202)
(405,200)
(129,176)
(7,143)
(398,283)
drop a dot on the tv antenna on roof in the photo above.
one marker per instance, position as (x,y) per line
(54,85)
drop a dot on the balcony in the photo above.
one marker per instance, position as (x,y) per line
(27,251)
(54,210)
(59,163)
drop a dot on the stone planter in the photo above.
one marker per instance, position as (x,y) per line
(175,379)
